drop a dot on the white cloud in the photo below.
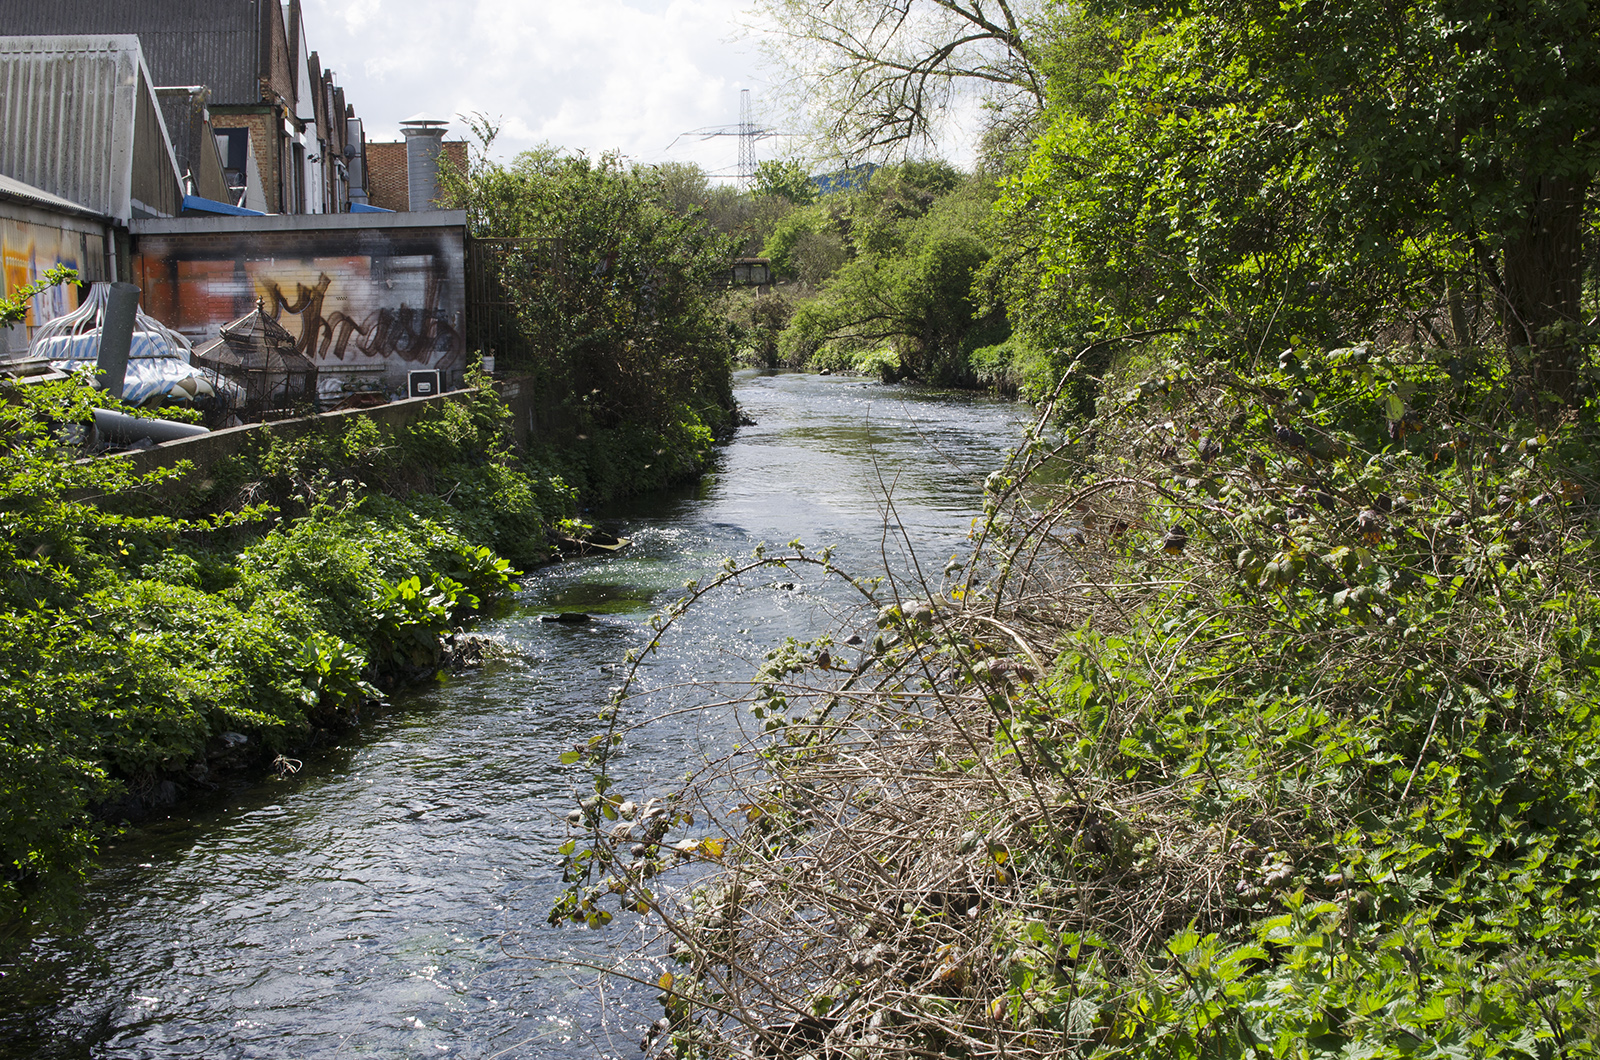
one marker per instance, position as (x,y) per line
(629,75)
(357,13)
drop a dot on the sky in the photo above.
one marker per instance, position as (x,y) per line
(636,76)
(590,75)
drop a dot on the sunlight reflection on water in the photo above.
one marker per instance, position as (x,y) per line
(390,900)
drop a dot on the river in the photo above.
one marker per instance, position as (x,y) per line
(390,899)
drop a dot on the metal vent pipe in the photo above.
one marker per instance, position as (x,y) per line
(424,141)
(116,336)
(121,429)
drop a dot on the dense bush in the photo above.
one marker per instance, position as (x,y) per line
(886,274)
(1260,721)
(143,644)
(612,283)
(607,464)
(807,246)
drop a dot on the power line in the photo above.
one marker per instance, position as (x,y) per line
(748,133)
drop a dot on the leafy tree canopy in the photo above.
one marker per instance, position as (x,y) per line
(785,179)
(897,298)
(610,275)
(1262,172)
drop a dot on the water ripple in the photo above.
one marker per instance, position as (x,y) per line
(390,900)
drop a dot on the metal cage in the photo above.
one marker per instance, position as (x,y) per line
(263,362)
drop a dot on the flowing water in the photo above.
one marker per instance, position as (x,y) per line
(390,900)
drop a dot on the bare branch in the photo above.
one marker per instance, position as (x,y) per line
(878,77)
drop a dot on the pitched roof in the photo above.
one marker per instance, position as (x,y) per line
(17,191)
(82,122)
(216,43)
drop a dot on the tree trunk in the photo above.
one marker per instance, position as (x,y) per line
(1544,284)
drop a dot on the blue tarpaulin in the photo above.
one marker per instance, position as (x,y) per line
(196,204)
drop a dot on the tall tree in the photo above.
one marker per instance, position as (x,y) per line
(610,290)
(1301,164)
(879,75)
(786,179)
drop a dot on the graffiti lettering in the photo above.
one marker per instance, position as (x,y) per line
(414,335)
(27,251)
(364,303)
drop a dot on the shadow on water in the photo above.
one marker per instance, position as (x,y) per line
(391,899)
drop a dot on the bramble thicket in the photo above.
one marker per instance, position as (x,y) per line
(1260,718)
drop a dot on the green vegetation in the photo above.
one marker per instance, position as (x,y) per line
(1260,720)
(1260,177)
(150,643)
(14,308)
(884,278)
(786,179)
(609,278)
(157,633)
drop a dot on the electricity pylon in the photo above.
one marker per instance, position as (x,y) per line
(748,133)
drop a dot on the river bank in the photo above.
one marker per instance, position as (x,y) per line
(1222,737)
(406,873)
(179,629)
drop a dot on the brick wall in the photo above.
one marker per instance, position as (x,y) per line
(265,132)
(386,171)
(456,152)
(386,175)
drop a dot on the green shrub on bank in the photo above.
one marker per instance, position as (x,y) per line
(71,688)
(1350,714)
(1260,722)
(610,463)
(1342,713)
(454,463)
(147,640)
(142,647)
(610,294)
(1016,367)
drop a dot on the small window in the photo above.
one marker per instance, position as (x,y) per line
(233,143)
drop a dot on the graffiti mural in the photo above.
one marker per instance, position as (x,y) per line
(365,304)
(28,249)
(423,335)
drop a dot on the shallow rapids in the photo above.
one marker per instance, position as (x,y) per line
(390,900)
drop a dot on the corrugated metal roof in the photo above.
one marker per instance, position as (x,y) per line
(78,90)
(216,43)
(11,188)
(71,110)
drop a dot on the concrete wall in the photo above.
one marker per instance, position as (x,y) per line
(532,420)
(206,451)
(370,297)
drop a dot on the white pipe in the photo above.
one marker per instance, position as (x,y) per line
(125,430)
